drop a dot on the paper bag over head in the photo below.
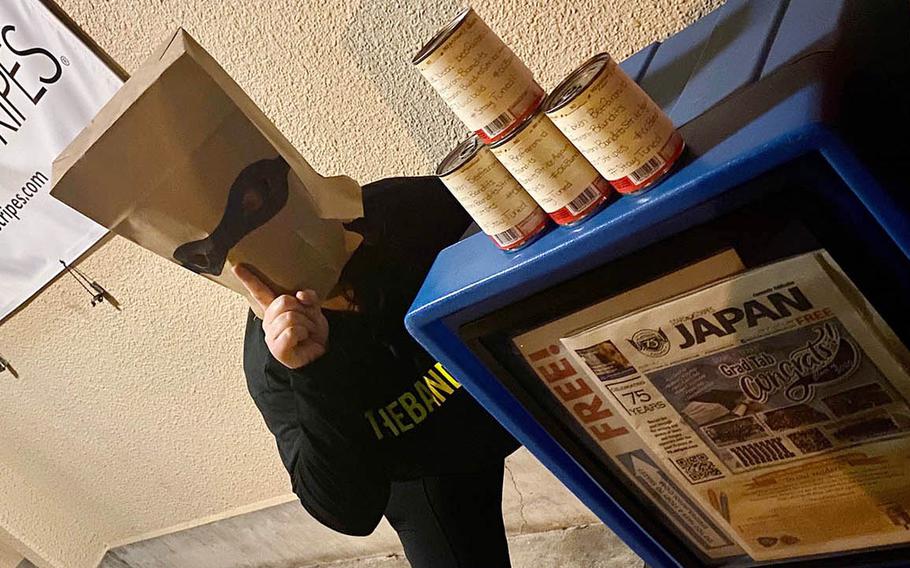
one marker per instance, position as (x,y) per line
(183,163)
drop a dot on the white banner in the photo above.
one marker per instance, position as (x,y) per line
(51,85)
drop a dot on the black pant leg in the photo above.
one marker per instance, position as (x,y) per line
(452,521)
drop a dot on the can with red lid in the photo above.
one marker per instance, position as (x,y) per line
(553,171)
(493,198)
(615,124)
(479,77)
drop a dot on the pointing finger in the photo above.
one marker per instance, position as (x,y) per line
(259,290)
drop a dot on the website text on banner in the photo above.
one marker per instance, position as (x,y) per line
(51,85)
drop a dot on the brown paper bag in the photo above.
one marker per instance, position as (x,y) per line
(183,163)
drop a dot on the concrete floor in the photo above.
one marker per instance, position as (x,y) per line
(588,546)
(536,509)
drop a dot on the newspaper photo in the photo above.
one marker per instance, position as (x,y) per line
(776,397)
(583,399)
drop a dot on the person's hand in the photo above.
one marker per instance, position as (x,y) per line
(296,331)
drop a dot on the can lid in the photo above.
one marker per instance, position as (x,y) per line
(576,82)
(462,154)
(441,36)
(516,130)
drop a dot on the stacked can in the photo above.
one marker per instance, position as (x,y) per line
(552,170)
(479,77)
(597,131)
(615,124)
(494,199)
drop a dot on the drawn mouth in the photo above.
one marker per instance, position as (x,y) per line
(257,195)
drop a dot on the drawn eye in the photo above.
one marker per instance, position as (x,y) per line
(252,200)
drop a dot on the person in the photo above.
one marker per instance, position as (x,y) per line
(367,423)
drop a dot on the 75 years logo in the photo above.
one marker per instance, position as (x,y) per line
(653,343)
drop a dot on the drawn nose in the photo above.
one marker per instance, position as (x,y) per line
(258,194)
(202,257)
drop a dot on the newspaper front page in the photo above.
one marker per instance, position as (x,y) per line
(586,402)
(778,402)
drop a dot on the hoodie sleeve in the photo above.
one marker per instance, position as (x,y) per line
(334,470)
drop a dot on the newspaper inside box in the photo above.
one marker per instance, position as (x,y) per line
(765,413)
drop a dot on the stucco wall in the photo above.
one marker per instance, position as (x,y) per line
(125,424)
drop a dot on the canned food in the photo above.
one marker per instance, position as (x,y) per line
(553,171)
(479,77)
(493,198)
(615,124)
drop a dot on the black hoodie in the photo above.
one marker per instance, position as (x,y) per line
(376,407)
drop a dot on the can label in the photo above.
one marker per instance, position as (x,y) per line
(654,168)
(494,199)
(587,202)
(553,171)
(482,80)
(623,133)
(522,233)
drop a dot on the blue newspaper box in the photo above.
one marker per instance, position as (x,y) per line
(796,117)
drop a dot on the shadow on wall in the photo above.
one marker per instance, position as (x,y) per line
(385,59)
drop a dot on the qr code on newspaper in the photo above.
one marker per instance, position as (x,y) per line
(698,468)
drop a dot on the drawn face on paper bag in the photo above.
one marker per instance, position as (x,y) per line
(255,197)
